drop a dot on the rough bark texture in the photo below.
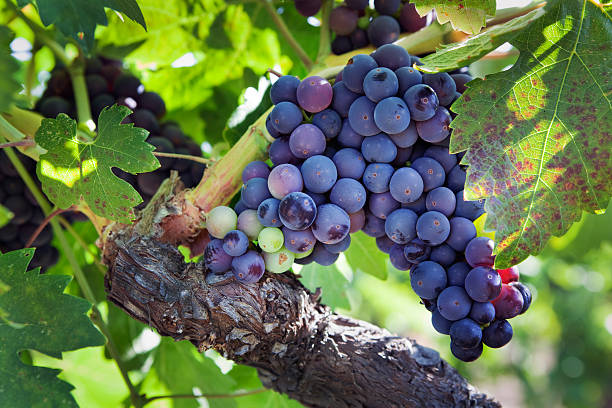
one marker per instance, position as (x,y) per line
(277,326)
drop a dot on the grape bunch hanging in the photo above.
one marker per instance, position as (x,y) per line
(371,153)
(356,25)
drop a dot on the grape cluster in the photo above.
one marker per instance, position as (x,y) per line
(371,153)
(107,84)
(27,215)
(356,25)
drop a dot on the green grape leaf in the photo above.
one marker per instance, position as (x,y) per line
(333,284)
(464,15)
(74,170)
(181,368)
(38,316)
(363,255)
(453,56)
(5,216)
(538,135)
(78,18)
(8,67)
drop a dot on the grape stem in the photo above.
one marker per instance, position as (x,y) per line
(271,71)
(18,143)
(284,31)
(209,396)
(44,223)
(324,32)
(202,160)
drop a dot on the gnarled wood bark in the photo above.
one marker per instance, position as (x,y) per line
(277,326)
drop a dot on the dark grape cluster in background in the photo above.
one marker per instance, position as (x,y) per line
(108,84)
(356,25)
(371,153)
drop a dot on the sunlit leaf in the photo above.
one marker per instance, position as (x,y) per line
(333,284)
(363,255)
(465,15)
(8,67)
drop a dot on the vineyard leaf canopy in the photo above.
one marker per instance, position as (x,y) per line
(73,170)
(464,15)
(362,255)
(8,67)
(78,18)
(454,56)
(538,136)
(37,315)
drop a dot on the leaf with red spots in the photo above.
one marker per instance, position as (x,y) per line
(453,56)
(74,170)
(464,15)
(538,137)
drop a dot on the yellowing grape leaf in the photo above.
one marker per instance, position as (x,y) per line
(37,315)
(73,170)
(538,136)
(464,15)
(8,67)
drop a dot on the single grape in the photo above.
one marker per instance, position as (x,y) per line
(215,257)
(388,7)
(306,141)
(497,334)
(374,226)
(96,85)
(436,128)
(343,20)
(341,44)
(145,119)
(280,153)
(406,185)
(127,85)
(339,246)
(349,163)
(361,117)
(356,70)
(285,90)
(443,254)
(299,241)
(248,268)
(150,101)
(464,354)
(509,275)
(442,156)
(379,148)
(454,303)
(348,137)
(284,179)
(348,194)
(479,252)
(255,169)
(509,303)
(329,122)
(430,171)
(391,56)
(382,204)
(359,38)
(297,211)
(376,177)
(466,333)
(416,251)
(482,312)
(267,213)
(248,222)
(331,224)
(406,138)
(407,78)
(525,292)
(400,225)
(428,279)
(441,199)
(439,323)
(343,98)
(384,244)
(383,30)
(460,81)
(270,239)
(380,83)
(468,209)
(235,243)
(462,232)
(322,256)
(456,274)
(97,105)
(397,258)
(443,84)
(483,284)
(255,191)
(391,115)
(410,20)
(433,227)
(271,129)
(417,206)
(220,221)
(314,94)
(319,174)
(279,261)
(285,117)
(422,102)
(54,105)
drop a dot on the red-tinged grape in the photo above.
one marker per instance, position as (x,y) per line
(314,94)
(285,179)
(357,221)
(460,81)
(509,275)
(215,257)
(248,223)
(525,292)
(509,303)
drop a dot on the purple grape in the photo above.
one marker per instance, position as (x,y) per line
(416,251)
(254,192)
(341,44)
(319,174)
(417,206)
(443,84)
(343,98)
(297,211)
(383,30)
(439,323)
(410,19)
(479,252)
(379,148)
(284,179)
(483,284)
(349,163)
(215,257)
(460,81)
(430,171)
(285,117)
(329,122)
(339,246)
(455,179)
(380,83)
(464,354)
(284,90)
(356,70)
(443,254)
(482,312)
(359,38)
(422,102)
(357,221)
(402,157)
(376,177)
(280,153)
(331,224)
(456,274)
(525,292)
(397,258)
(468,209)
(454,303)
(308,8)
(382,204)
(442,156)
(248,268)
(306,141)
(465,333)
(348,137)
(343,20)
(407,138)
(406,185)
(462,232)
(384,244)
(400,225)
(407,77)
(436,128)
(497,334)
(357,4)
(267,213)
(322,256)
(388,7)
(361,117)
(441,199)
(374,226)
(509,303)
(255,169)
(299,241)
(391,115)
(428,279)
(314,94)
(433,227)
(348,194)
(235,243)
(391,56)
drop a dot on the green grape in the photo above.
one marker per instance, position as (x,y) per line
(220,221)
(271,239)
(249,224)
(303,254)
(279,261)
